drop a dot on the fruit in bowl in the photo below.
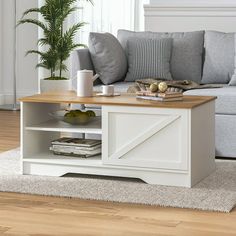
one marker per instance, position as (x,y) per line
(91,113)
(75,117)
(78,117)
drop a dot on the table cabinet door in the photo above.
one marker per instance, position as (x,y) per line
(154,138)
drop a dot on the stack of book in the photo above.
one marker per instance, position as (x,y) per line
(76,147)
(163,97)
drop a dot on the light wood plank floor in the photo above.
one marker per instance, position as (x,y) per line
(22,215)
(9,130)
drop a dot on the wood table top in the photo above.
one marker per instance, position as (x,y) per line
(125,99)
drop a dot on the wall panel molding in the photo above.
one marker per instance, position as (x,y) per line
(190,16)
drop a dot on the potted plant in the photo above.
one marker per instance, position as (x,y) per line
(57,41)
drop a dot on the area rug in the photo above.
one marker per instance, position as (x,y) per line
(215,193)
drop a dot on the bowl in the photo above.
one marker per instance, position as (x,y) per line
(81,119)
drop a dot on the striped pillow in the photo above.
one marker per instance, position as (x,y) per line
(149,58)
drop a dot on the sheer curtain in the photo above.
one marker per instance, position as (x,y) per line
(110,15)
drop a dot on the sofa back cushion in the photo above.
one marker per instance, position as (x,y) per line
(148,58)
(219,57)
(108,57)
(186,60)
(232,81)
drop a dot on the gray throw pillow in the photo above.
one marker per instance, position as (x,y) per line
(219,57)
(186,60)
(232,82)
(148,58)
(108,57)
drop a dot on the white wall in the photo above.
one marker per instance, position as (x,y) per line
(27,36)
(191,16)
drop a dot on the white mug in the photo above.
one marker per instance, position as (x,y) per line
(108,89)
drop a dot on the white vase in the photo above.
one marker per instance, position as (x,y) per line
(47,86)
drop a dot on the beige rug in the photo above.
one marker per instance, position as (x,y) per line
(215,193)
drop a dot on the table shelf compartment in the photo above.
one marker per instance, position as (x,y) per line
(59,126)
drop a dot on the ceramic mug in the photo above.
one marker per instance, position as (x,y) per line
(108,90)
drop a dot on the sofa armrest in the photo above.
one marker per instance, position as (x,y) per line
(80,60)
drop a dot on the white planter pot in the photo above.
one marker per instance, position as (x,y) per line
(47,86)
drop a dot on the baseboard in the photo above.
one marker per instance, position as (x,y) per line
(9,98)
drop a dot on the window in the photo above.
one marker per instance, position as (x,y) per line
(110,15)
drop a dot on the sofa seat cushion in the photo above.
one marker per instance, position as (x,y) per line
(226,98)
(120,87)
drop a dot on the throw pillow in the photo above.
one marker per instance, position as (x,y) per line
(186,60)
(108,57)
(232,82)
(148,58)
(219,57)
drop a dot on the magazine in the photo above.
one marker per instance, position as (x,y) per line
(76,142)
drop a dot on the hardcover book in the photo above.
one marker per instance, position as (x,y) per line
(171,99)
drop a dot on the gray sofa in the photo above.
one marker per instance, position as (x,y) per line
(225,104)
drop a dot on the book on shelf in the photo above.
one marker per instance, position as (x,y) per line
(74,151)
(71,154)
(76,147)
(161,99)
(79,142)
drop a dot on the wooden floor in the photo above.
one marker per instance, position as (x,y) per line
(22,215)
(9,130)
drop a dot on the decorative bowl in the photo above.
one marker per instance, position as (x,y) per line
(82,119)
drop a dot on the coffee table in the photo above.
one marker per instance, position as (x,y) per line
(166,143)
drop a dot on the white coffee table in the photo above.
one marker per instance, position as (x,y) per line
(166,143)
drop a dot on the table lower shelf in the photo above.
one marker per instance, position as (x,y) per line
(49,158)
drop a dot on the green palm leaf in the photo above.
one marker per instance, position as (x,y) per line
(35,22)
(31,10)
(34,52)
